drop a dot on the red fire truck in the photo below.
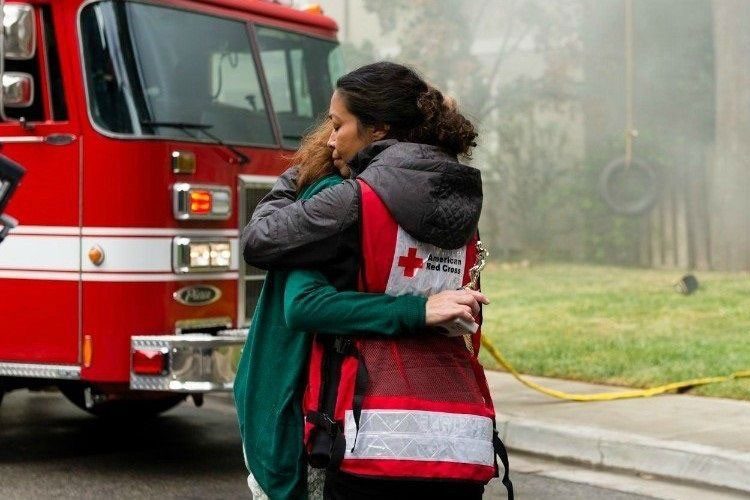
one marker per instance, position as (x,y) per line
(149,130)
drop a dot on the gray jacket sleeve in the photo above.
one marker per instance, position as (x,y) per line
(286,233)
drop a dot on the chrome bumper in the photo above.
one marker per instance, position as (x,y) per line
(197,362)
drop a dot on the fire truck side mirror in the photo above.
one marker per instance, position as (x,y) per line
(19,30)
(18,90)
(18,44)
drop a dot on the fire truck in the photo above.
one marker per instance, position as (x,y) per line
(149,131)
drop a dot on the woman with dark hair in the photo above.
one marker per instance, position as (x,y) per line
(272,372)
(399,138)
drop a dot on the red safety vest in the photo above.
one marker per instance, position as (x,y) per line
(415,407)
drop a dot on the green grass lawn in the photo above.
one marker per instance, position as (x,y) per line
(619,326)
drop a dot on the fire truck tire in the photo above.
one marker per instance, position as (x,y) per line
(130,408)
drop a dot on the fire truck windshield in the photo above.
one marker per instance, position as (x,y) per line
(301,71)
(148,65)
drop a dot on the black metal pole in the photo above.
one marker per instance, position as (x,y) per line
(10,176)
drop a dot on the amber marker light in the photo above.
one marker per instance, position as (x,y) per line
(183,162)
(96,255)
(88,350)
(200,202)
(313,8)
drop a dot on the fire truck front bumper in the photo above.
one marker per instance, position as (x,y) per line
(191,363)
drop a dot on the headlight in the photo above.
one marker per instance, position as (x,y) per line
(220,255)
(199,254)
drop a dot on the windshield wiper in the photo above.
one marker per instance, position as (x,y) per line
(186,127)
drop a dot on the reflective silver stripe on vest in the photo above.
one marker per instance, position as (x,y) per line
(421,435)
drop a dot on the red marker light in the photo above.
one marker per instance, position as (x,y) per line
(149,362)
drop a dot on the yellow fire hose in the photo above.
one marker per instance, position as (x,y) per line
(607,396)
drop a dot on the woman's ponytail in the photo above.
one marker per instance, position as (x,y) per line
(443,125)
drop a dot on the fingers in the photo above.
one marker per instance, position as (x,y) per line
(478,296)
(451,304)
(471,298)
(466,313)
(465,295)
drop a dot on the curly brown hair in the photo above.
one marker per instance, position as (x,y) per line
(313,158)
(395,95)
(443,125)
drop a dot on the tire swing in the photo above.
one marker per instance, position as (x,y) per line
(628,185)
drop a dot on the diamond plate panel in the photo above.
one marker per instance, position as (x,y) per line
(64,372)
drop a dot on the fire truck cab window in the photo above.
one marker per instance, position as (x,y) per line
(300,71)
(153,70)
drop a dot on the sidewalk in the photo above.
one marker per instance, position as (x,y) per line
(682,437)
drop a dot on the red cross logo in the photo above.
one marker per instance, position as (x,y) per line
(410,262)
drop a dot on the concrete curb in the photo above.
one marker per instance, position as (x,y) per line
(677,460)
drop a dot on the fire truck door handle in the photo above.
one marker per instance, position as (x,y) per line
(59,139)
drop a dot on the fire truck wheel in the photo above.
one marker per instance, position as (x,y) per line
(148,406)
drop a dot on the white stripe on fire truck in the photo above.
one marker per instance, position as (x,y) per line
(42,253)
(115,277)
(48,230)
(131,254)
(39,275)
(121,231)
(150,231)
(127,277)
(70,253)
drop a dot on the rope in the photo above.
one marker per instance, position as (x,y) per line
(630,132)
(482,256)
(608,396)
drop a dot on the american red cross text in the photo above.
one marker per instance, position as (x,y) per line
(410,262)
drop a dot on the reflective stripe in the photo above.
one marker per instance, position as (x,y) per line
(421,435)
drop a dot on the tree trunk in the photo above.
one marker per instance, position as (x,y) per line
(729,182)
(699,229)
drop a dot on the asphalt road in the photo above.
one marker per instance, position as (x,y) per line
(50,449)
